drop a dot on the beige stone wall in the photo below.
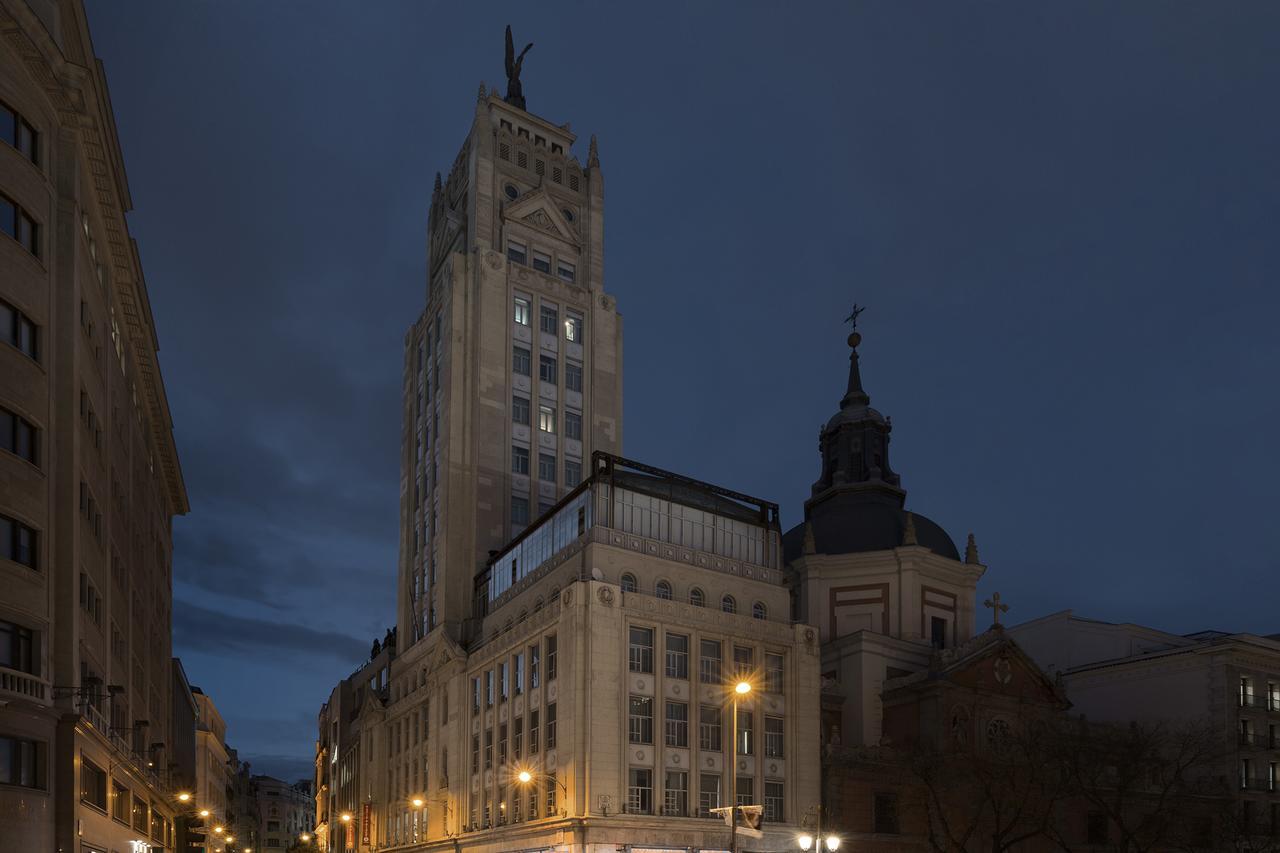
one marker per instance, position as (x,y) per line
(104,483)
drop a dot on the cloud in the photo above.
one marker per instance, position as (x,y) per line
(198,629)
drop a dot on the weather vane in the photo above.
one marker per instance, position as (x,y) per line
(853,318)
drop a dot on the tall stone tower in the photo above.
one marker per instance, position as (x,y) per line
(513,371)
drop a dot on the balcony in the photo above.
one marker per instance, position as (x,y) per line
(1260,703)
(1258,740)
(16,684)
(119,743)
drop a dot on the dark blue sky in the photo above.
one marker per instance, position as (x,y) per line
(1064,218)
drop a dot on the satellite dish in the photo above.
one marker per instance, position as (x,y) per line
(596,574)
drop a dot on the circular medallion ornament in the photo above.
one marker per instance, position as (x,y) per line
(606,596)
(568,597)
(511,191)
(567,213)
(639,755)
(1004,670)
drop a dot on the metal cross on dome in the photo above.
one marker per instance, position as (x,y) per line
(996,608)
(853,318)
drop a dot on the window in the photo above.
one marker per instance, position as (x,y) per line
(475,696)
(475,753)
(886,813)
(502,744)
(640,791)
(519,460)
(573,328)
(564,269)
(541,260)
(938,632)
(535,656)
(120,802)
(746,791)
(759,611)
(547,419)
(773,738)
(504,681)
(1246,692)
(709,663)
(19,133)
(533,736)
(551,657)
(572,470)
(19,225)
(22,764)
(18,648)
(547,467)
(548,319)
(18,331)
(744,659)
(488,688)
(773,800)
(709,728)
(517,252)
(551,791)
(521,311)
(677,656)
(18,435)
(675,802)
(697,597)
(18,542)
(773,672)
(93,784)
(640,720)
(708,794)
(573,426)
(273,825)
(519,410)
(728,605)
(488,749)
(547,371)
(676,730)
(551,726)
(746,740)
(520,361)
(573,376)
(139,814)
(519,510)
(519,673)
(640,655)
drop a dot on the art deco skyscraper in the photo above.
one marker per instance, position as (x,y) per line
(513,372)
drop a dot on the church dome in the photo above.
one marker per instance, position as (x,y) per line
(853,523)
(857,501)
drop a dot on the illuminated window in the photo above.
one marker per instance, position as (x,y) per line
(522,311)
(547,419)
(573,328)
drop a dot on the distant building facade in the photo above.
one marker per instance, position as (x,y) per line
(1121,672)
(89,473)
(213,775)
(286,812)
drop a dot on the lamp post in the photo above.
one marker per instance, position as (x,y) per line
(816,841)
(741,689)
(526,776)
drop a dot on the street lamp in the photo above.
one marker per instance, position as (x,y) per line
(204,813)
(304,837)
(816,841)
(346,817)
(184,797)
(524,776)
(418,802)
(740,690)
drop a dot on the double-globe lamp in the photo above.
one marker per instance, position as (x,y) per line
(832,842)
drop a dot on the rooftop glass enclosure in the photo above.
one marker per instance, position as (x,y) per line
(637,499)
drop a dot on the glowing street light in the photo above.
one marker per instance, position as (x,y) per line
(742,687)
(346,817)
(184,797)
(305,837)
(525,777)
(418,802)
(204,813)
(217,830)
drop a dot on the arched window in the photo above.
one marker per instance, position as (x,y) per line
(759,611)
(998,735)
(628,582)
(697,598)
(728,605)
(663,590)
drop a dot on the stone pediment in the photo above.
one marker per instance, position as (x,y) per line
(539,210)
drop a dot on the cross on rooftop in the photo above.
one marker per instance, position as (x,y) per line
(996,608)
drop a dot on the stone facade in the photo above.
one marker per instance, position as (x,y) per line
(89,474)
(1120,672)
(285,813)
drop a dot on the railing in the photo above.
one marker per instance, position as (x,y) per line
(23,685)
(1259,740)
(96,719)
(1260,702)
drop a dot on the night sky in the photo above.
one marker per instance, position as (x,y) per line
(1064,219)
